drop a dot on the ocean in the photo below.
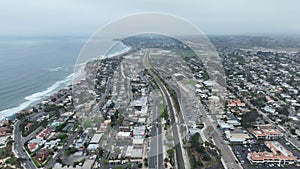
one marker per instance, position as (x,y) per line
(33,68)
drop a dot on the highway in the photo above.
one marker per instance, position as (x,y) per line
(226,151)
(156,147)
(179,154)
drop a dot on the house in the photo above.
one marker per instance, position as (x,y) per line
(269,109)
(3,140)
(28,126)
(52,143)
(269,99)
(33,146)
(42,155)
(5,131)
(88,164)
(82,140)
(234,103)
(5,123)
(44,134)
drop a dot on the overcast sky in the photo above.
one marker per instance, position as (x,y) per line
(74,17)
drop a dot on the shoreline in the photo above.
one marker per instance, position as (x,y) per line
(38,97)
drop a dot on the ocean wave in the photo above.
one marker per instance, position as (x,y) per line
(124,50)
(55,69)
(34,98)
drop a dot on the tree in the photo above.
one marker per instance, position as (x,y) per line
(199,163)
(105,161)
(70,151)
(117,150)
(293,131)
(34,109)
(195,140)
(62,136)
(249,118)
(200,149)
(100,152)
(146,162)
(171,152)
(206,157)
(283,110)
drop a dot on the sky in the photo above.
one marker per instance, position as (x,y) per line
(83,18)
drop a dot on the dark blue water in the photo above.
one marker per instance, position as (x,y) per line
(33,68)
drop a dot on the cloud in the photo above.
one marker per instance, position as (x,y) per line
(71,17)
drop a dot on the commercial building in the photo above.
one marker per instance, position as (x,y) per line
(267,133)
(224,126)
(139,132)
(138,143)
(134,153)
(236,137)
(278,154)
(232,120)
(123,135)
(92,147)
(96,138)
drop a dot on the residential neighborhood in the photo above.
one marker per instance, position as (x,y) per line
(135,110)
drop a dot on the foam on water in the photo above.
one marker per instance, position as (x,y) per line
(55,69)
(35,97)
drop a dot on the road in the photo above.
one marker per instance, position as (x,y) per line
(97,108)
(51,162)
(156,147)
(287,135)
(19,149)
(216,135)
(178,150)
(107,90)
(32,134)
(19,140)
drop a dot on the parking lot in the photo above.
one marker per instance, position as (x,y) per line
(241,152)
